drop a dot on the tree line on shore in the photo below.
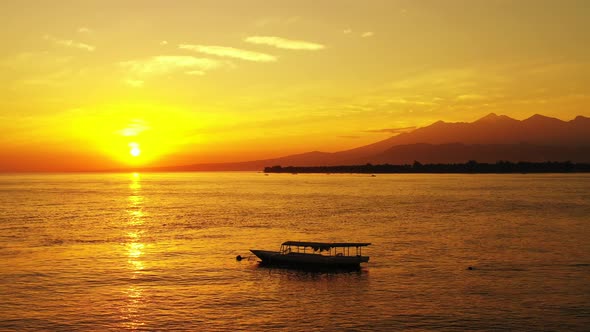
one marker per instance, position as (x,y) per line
(471,166)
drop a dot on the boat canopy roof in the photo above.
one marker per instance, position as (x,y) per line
(326,245)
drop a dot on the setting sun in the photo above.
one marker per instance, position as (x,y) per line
(135,151)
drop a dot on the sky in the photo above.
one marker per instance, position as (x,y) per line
(90,85)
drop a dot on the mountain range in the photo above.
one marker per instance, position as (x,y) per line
(489,139)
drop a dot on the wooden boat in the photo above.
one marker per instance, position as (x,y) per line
(315,255)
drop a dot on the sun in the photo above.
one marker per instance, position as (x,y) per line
(135,151)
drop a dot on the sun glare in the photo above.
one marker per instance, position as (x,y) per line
(135,151)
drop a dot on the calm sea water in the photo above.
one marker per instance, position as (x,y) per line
(96,252)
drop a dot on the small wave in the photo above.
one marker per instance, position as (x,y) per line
(52,242)
(498,268)
(215,236)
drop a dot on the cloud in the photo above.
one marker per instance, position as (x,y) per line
(134,83)
(470,97)
(51,78)
(168,63)
(70,43)
(195,72)
(411,102)
(261,23)
(347,31)
(134,128)
(35,60)
(164,42)
(84,30)
(391,130)
(40,68)
(349,136)
(230,52)
(283,43)
(368,34)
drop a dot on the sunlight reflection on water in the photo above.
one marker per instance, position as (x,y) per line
(135,301)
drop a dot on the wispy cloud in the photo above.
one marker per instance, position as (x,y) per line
(40,68)
(134,128)
(283,43)
(168,63)
(267,21)
(410,102)
(230,52)
(35,60)
(52,79)
(70,43)
(391,130)
(134,83)
(368,34)
(195,72)
(84,30)
(347,31)
(164,42)
(470,97)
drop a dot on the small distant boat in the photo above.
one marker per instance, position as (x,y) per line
(329,255)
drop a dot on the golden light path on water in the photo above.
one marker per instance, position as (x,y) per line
(131,313)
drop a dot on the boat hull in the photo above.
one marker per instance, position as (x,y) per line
(302,260)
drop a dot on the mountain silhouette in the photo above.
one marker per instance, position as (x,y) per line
(488,153)
(494,129)
(489,139)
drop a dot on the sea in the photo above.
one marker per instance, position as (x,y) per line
(157,252)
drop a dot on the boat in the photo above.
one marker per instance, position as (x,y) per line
(329,255)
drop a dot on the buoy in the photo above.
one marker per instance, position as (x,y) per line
(238,258)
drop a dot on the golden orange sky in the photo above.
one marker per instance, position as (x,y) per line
(85,82)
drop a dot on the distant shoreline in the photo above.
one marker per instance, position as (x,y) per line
(471,167)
